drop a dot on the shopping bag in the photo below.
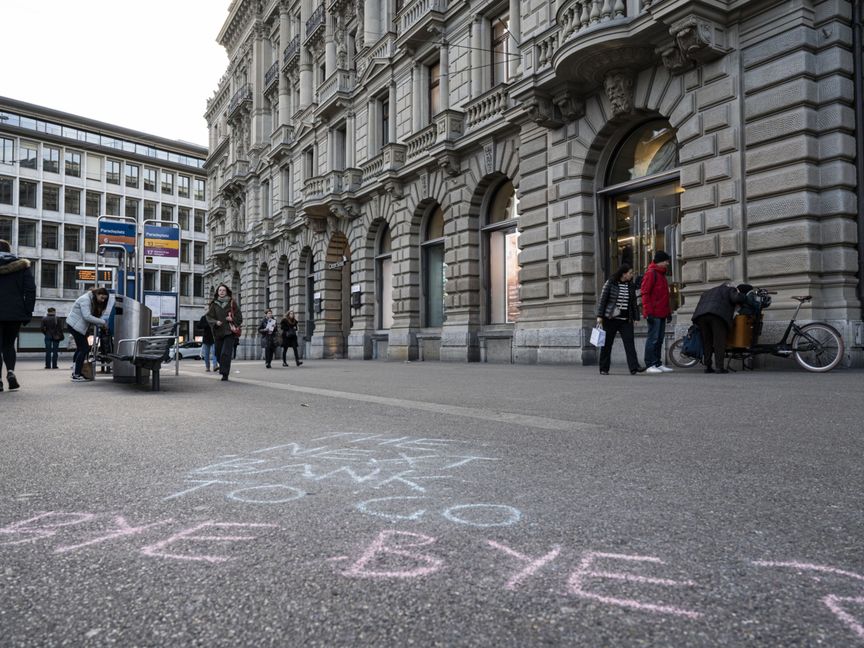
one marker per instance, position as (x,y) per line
(598,336)
(87,370)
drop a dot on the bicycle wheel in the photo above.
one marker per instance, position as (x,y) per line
(818,347)
(674,355)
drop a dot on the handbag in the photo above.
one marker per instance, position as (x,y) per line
(87,370)
(598,336)
(235,328)
(692,346)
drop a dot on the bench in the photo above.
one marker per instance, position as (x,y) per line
(148,352)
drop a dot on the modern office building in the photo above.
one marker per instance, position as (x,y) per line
(432,179)
(59,173)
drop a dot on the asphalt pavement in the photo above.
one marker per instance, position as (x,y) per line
(348,503)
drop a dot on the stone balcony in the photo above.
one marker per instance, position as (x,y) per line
(420,143)
(420,21)
(335,93)
(391,158)
(315,25)
(281,141)
(241,99)
(228,243)
(271,77)
(291,54)
(234,178)
(488,106)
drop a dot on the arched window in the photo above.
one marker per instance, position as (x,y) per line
(432,258)
(643,189)
(501,243)
(384,278)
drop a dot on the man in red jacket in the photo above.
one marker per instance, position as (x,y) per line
(655,309)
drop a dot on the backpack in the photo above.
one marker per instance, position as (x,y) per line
(692,345)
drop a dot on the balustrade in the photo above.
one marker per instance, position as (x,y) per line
(421,141)
(417,10)
(271,75)
(492,103)
(315,22)
(291,53)
(578,15)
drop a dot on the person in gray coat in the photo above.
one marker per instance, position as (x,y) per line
(713,316)
(86,310)
(17,300)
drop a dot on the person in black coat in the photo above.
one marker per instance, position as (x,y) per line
(713,316)
(616,312)
(17,300)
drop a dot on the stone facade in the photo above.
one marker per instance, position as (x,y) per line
(341,128)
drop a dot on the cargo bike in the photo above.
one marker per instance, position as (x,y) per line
(816,346)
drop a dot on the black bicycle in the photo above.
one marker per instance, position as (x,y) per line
(816,346)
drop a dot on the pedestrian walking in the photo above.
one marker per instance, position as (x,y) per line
(616,312)
(713,316)
(17,300)
(288,325)
(225,317)
(657,311)
(267,331)
(208,346)
(53,333)
(86,311)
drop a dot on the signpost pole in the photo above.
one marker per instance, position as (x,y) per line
(158,222)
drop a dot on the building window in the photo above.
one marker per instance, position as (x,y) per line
(6,229)
(94,204)
(26,193)
(338,153)
(500,49)
(94,167)
(48,274)
(308,163)
(185,280)
(71,238)
(112,172)
(132,173)
(149,280)
(384,279)
(149,209)
(89,240)
(149,179)
(131,208)
(7,185)
(166,281)
(7,150)
(50,197)
(432,255)
(184,252)
(50,236)
(199,189)
(50,159)
(72,200)
(434,72)
(501,244)
(72,164)
(197,285)
(112,205)
(646,217)
(199,221)
(384,121)
(265,199)
(167,213)
(199,253)
(26,233)
(28,154)
(286,189)
(70,276)
(183,218)
(167,182)
(183,186)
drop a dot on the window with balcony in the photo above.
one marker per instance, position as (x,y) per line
(384,121)
(112,172)
(149,179)
(50,159)
(7,186)
(501,250)
(183,183)
(338,151)
(28,155)
(131,208)
(71,238)
(27,193)
(286,187)
(72,200)
(26,233)
(7,150)
(50,236)
(308,163)
(434,90)
(266,199)
(501,49)
(432,258)
(72,164)
(50,197)
(93,206)
(49,274)
(132,173)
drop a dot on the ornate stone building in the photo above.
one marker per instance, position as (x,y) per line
(432,179)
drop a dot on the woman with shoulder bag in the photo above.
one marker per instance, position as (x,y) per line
(225,318)
(616,312)
(289,337)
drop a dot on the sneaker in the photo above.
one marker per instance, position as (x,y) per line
(13,382)
(654,370)
(299,363)
(665,369)
(79,379)
(224,377)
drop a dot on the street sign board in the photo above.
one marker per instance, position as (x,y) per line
(88,275)
(161,245)
(117,233)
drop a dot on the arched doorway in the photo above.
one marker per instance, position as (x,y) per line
(336,297)
(500,238)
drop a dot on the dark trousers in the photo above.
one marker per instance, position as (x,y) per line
(612,328)
(225,352)
(8,335)
(714,332)
(290,342)
(82,349)
(654,341)
(268,352)
(52,348)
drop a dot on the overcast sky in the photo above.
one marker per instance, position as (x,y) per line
(149,66)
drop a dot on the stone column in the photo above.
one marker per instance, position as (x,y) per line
(515,39)
(371,19)
(284,39)
(417,98)
(350,145)
(305,58)
(391,122)
(444,85)
(258,70)
(477,31)
(329,45)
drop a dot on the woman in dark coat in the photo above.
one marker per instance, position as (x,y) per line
(713,316)
(17,299)
(616,312)
(223,312)
(288,325)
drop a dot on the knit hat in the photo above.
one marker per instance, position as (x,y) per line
(660,256)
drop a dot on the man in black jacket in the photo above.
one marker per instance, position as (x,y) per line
(53,332)
(713,315)
(17,299)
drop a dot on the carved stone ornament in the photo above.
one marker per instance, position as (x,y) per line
(618,85)
(572,107)
(542,112)
(489,156)
(674,59)
(449,164)
(361,8)
(699,39)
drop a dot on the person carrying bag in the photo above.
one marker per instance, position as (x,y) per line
(225,318)
(616,312)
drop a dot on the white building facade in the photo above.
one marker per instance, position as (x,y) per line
(59,173)
(431,179)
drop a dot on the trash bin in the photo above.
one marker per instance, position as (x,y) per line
(131,320)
